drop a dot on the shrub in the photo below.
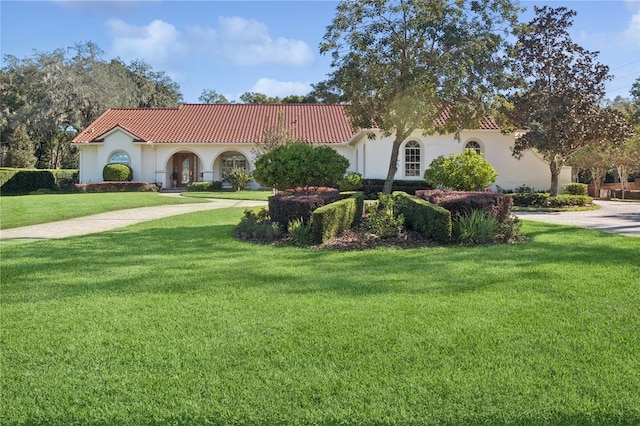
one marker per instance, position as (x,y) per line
(468,171)
(431,221)
(565,200)
(300,164)
(478,227)
(332,219)
(530,199)
(510,230)
(256,225)
(463,203)
(204,186)
(383,220)
(116,172)
(372,187)
(351,182)
(238,177)
(116,187)
(300,232)
(575,188)
(285,208)
(21,181)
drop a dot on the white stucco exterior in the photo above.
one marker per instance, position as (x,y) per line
(154,162)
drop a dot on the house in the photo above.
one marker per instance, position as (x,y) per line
(196,142)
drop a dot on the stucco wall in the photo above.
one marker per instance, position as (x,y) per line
(370,157)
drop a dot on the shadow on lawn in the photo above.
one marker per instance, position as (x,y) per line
(207,258)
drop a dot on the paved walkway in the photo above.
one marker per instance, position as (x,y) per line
(112,220)
(613,216)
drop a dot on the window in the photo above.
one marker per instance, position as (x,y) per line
(230,162)
(120,157)
(474,145)
(412,159)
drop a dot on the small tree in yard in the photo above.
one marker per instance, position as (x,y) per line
(299,165)
(238,177)
(468,171)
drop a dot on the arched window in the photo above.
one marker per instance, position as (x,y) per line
(120,157)
(233,161)
(412,159)
(474,145)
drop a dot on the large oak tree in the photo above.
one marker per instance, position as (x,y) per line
(401,64)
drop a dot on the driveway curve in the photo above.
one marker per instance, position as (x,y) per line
(616,217)
(112,220)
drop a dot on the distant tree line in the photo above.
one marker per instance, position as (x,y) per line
(48,97)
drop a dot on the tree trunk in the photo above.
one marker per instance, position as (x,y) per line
(555,165)
(393,164)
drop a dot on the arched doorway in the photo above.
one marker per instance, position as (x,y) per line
(184,169)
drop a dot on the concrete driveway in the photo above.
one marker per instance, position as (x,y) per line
(613,216)
(112,220)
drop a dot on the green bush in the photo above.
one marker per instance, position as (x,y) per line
(530,199)
(204,186)
(575,188)
(25,181)
(300,232)
(238,177)
(565,200)
(383,219)
(351,182)
(116,172)
(479,227)
(300,164)
(468,171)
(431,221)
(332,219)
(255,225)
(117,187)
(510,230)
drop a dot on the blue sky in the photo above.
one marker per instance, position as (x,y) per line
(269,47)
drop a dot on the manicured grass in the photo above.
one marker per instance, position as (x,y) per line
(231,195)
(26,210)
(175,322)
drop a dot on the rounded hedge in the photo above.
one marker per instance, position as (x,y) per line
(115,172)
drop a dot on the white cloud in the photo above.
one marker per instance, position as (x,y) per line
(271,87)
(247,42)
(632,33)
(157,43)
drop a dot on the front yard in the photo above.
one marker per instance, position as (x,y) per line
(176,322)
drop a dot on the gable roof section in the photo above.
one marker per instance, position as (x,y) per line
(222,123)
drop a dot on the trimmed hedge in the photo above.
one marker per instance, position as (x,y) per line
(374,186)
(529,199)
(431,221)
(538,199)
(462,203)
(567,200)
(205,186)
(116,172)
(117,187)
(332,219)
(286,208)
(575,188)
(24,181)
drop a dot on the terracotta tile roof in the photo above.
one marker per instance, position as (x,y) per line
(222,123)
(229,123)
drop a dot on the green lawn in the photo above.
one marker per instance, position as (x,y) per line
(175,322)
(26,210)
(231,195)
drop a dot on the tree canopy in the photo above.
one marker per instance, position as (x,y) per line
(401,64)
(468,171)
(562,89)
(55,94)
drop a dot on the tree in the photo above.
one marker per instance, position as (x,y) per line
(404,64)
(597,160)
(258,98)
(21,148)
(563,87)
(210,96)
(468,171)
(626,158)
(299,165)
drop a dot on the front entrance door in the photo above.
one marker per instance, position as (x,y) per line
(185,168)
